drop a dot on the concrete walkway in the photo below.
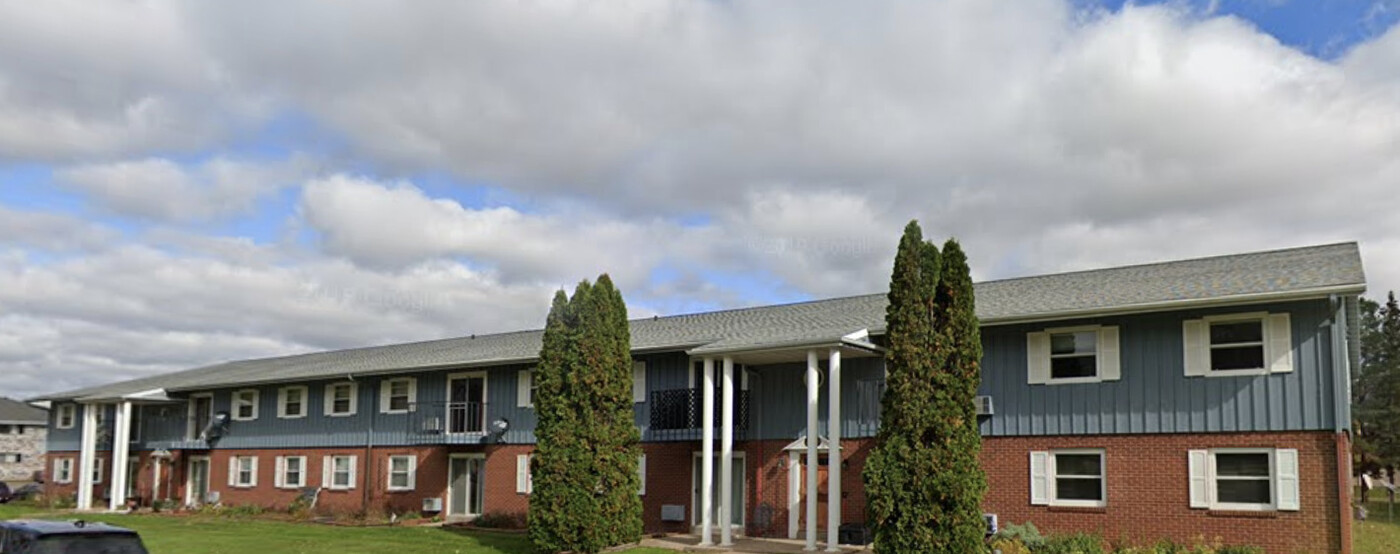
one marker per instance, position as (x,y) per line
(690,543)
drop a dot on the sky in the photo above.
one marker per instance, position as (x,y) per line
(185,183)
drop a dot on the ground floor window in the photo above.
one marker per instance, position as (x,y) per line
(63,470)
(1244,478)
(402,470)
(338,472)
(243,471)
(1070,477)
(291,472)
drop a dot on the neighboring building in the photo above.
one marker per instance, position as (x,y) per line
(23,437)
(1204,397)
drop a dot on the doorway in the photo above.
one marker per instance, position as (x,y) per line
(197,482)
(737,488)
(464,484)
(466,403)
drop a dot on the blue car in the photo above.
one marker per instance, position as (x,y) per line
(32,536)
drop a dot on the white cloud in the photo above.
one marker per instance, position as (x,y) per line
(160,189)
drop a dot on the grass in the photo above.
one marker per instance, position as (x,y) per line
(1378,534)
(231,535)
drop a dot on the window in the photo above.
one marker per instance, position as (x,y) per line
(63,470)
(291,402)
(402,472)
(642,475)
(133,474)
(291,472)
(67,413)
(397,395)
(7,429)
(1244,479)
(243,471)
(10,457)
(525,389)
(1238,344)
(97,471)
(338,472)
(245,405)
(1069,478)
(340,399)
(1072,355)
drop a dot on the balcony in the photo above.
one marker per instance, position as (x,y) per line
(676,414)
(447,422)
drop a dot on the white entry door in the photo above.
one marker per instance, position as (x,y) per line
(737,486)
(197,485)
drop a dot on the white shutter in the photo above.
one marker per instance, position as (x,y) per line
(1110,368)
(279,477)
(1195,342)
(522,473)
(523,381)
(232,471)
(1286,473)
(328,405)
(639,382)
(254,481)
(1280,341)
(642,475)
(1038,358)
(1197,468)
(326,469)
(1040,478)
(351,485)
(385,387)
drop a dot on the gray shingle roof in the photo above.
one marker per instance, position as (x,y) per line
(1243,277)
(14,411)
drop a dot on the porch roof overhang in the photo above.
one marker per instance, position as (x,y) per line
(855,344)
(151,396)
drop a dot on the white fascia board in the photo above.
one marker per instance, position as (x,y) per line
(1173,305)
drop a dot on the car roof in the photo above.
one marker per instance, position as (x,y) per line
(69,527)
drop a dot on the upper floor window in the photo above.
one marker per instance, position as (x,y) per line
(1073,355)
(291,402)
(1238,344)
(67,415)
(1073,477)
(340,399)
(245,405)
(396,395)
(201,412)
(1244,479)
(525,388)
(639,381)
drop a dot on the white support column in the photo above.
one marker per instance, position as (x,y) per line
(726,456)
(833,454)
(155,480)
(707,453)
(794,493)
(813,436)
(121,450)
(87,455)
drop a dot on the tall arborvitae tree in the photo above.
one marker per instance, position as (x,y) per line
(923,483)
(955,437)
(900,473)
(585,479)
(1376,386)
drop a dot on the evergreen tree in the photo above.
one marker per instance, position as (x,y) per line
(1376,385)
(585,479)
(923,483)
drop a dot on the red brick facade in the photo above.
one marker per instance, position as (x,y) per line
(1146,479)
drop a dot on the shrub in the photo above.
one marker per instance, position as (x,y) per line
(501,520)
(1077,543)
(1025,534)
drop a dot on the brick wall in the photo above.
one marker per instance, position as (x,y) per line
(27,441)
(1148,496)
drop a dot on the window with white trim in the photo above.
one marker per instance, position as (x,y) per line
(97,471)
(245,405)
(524,474)
(1238,344)
(338,472)
(526,387)
(639,381)
(1087,354)
(340,399)
(1255,479)
(402,473)
(396,395)
(1069,477)
(291,402)
(243,471)
(63,470)
(291,472)
(67,416)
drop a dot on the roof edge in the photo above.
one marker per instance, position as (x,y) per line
(1169,305)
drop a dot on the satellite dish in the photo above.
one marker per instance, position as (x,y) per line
(216,427)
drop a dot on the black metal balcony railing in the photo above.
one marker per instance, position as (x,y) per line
(447,418)
(679,410)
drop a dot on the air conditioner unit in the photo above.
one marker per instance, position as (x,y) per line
(212,497)
(991,520)
(432,504)
(432,425)
(984,405)
(673,512)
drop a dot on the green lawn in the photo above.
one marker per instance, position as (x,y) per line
(1378,534)
(219,535)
